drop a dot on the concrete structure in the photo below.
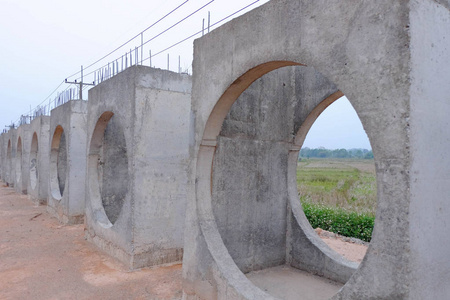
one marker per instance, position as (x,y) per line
(10,154)
(67,169)
(391,59)
(21,166)
(138,129)
(2,156)
(39,159)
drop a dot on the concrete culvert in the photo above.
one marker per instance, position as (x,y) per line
(252,172)
(138,135)
(61,163)
(18,160)
(8,163)
(58,163)
(34,161)
(113,169)
(66,197)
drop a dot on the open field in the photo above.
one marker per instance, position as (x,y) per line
(345,183)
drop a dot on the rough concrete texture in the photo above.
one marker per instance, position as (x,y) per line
(138,153)
(22,173)
(67,168)
(429,136)
(39,159)
(288,284)
(376,53)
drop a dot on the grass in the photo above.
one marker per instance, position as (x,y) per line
(339,195)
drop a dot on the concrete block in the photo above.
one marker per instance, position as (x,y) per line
(21,167)
(39,159)
(391,59)
(138,153)
(10,153)
(67,168)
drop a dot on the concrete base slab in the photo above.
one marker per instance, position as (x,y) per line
(59,214)
(141,260)
(288,283)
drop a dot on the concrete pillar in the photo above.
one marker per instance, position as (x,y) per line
(138,129)
(392,60)
(67,168)
(38,164)
(21,167)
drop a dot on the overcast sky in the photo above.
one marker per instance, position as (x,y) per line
(43,42)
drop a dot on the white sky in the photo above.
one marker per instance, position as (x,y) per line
(45,41)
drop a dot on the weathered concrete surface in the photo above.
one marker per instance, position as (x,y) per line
(23,142)
(39,159)
(138,152)
(372,52)
(430,137)
(289,283)
(67,168)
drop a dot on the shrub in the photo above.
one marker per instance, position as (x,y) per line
(340,221)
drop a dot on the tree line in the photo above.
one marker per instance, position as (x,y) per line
(336,153)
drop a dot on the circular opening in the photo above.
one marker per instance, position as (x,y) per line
(245,203)
(34,161)
(336,180)
(108,169)
(58,163)
(19,160)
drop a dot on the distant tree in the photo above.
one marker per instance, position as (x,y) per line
(321,152)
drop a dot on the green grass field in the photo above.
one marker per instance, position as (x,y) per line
(338,194)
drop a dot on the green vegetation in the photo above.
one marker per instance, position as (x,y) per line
(340,221)
(337,153)
(339,195)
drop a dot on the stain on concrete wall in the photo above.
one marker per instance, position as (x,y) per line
(113,170)
(61,164)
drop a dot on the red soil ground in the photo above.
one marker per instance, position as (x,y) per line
(42,259)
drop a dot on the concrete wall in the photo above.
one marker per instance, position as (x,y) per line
(39,159)
(430,139)
(138,129)
(67,168)
(366,48)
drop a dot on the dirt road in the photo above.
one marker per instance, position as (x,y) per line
(42,259)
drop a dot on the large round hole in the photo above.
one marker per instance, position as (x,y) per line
(336,180)
(34,161)
(19,160)
(58,163)
(252,170)
(108,168)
